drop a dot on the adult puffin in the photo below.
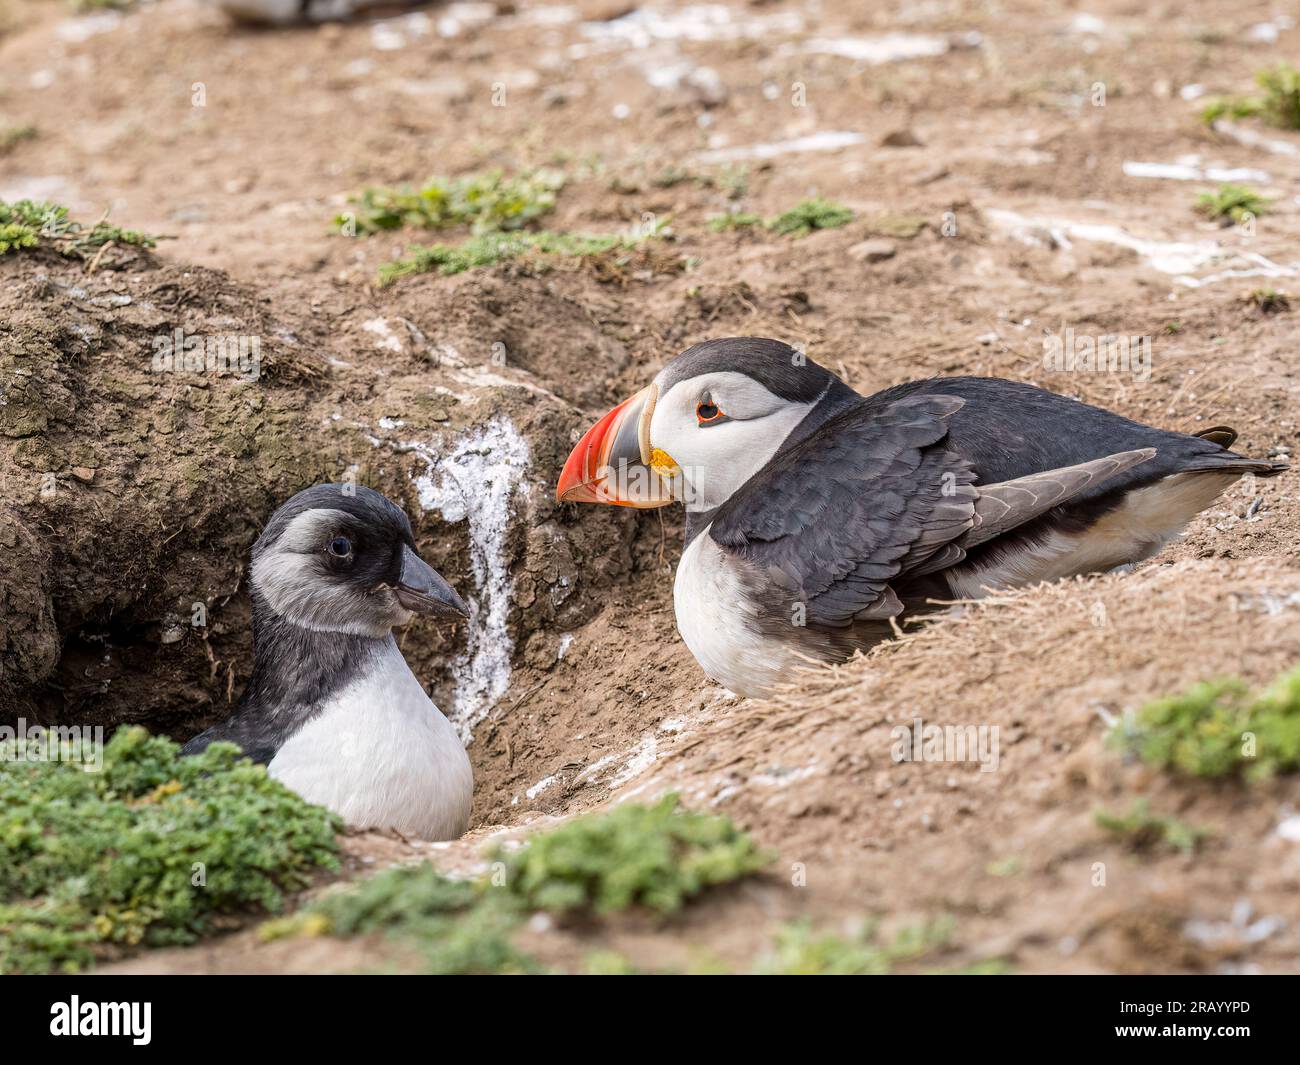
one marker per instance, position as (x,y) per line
(816,516)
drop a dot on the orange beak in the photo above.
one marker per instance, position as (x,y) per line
(611,463)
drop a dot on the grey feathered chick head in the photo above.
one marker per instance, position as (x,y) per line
(341,558)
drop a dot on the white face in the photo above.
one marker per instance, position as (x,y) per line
(720,429)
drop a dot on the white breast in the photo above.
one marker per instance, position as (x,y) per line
(719,624)
(381,755)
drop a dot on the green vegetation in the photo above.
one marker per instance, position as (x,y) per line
(496,208)
(1231,203)
(799,221)
(1277,103)
(733,181)
(657,856)
(491,248)
(147,850)
(807,215)
(1219,728)
(1144,830)
(799,951)
(31,224)
(1267,300)
(15,135)
(722,223)
(653,856)
(487,203)
(1005,867)
(454,926)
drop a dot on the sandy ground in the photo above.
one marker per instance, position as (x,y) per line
(1008,203)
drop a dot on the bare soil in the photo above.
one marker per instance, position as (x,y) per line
(161,481)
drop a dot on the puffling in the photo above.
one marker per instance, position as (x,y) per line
(332,708)
(815,517)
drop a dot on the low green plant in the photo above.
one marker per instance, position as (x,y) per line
(656,856)
(722,223)
(1005,867)
(454,925)
(1235,107)
(147,850)
(808,215)
(1277,103)
(487,203)
(1280,95)
(801,951)
(31,224)
(13,136)
(1231,203)
(490,248)
(1267,300)
(1144,830)
(1219,728)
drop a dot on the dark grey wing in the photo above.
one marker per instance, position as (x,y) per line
(873,493)
(238,731)
(876,494)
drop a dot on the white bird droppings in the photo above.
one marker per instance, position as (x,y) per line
(825,141)
(1182,259)
(886,48)
(1190,170)
(476,482)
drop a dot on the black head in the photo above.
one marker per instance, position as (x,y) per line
(782,370)
(341,558)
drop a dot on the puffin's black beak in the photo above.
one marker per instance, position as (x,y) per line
(420,589)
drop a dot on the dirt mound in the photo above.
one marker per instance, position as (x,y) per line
(136,487)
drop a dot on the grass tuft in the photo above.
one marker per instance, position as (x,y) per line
(32,224)
(491,248)
(808,215)
(487,203)
(1267,300)
(799,951)
(655,856)
(149,850)
(1144,830)
(799,221)
(1277,103)
(1231,204)
(13,136)
(731,220)
(1219,728)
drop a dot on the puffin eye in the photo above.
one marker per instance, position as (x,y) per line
(707,412)
(340,547)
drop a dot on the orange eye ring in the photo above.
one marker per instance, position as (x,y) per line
(707,413)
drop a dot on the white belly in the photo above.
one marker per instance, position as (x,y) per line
(719,626)
(381,755)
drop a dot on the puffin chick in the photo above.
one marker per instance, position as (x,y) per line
(332,709)
(815,517)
